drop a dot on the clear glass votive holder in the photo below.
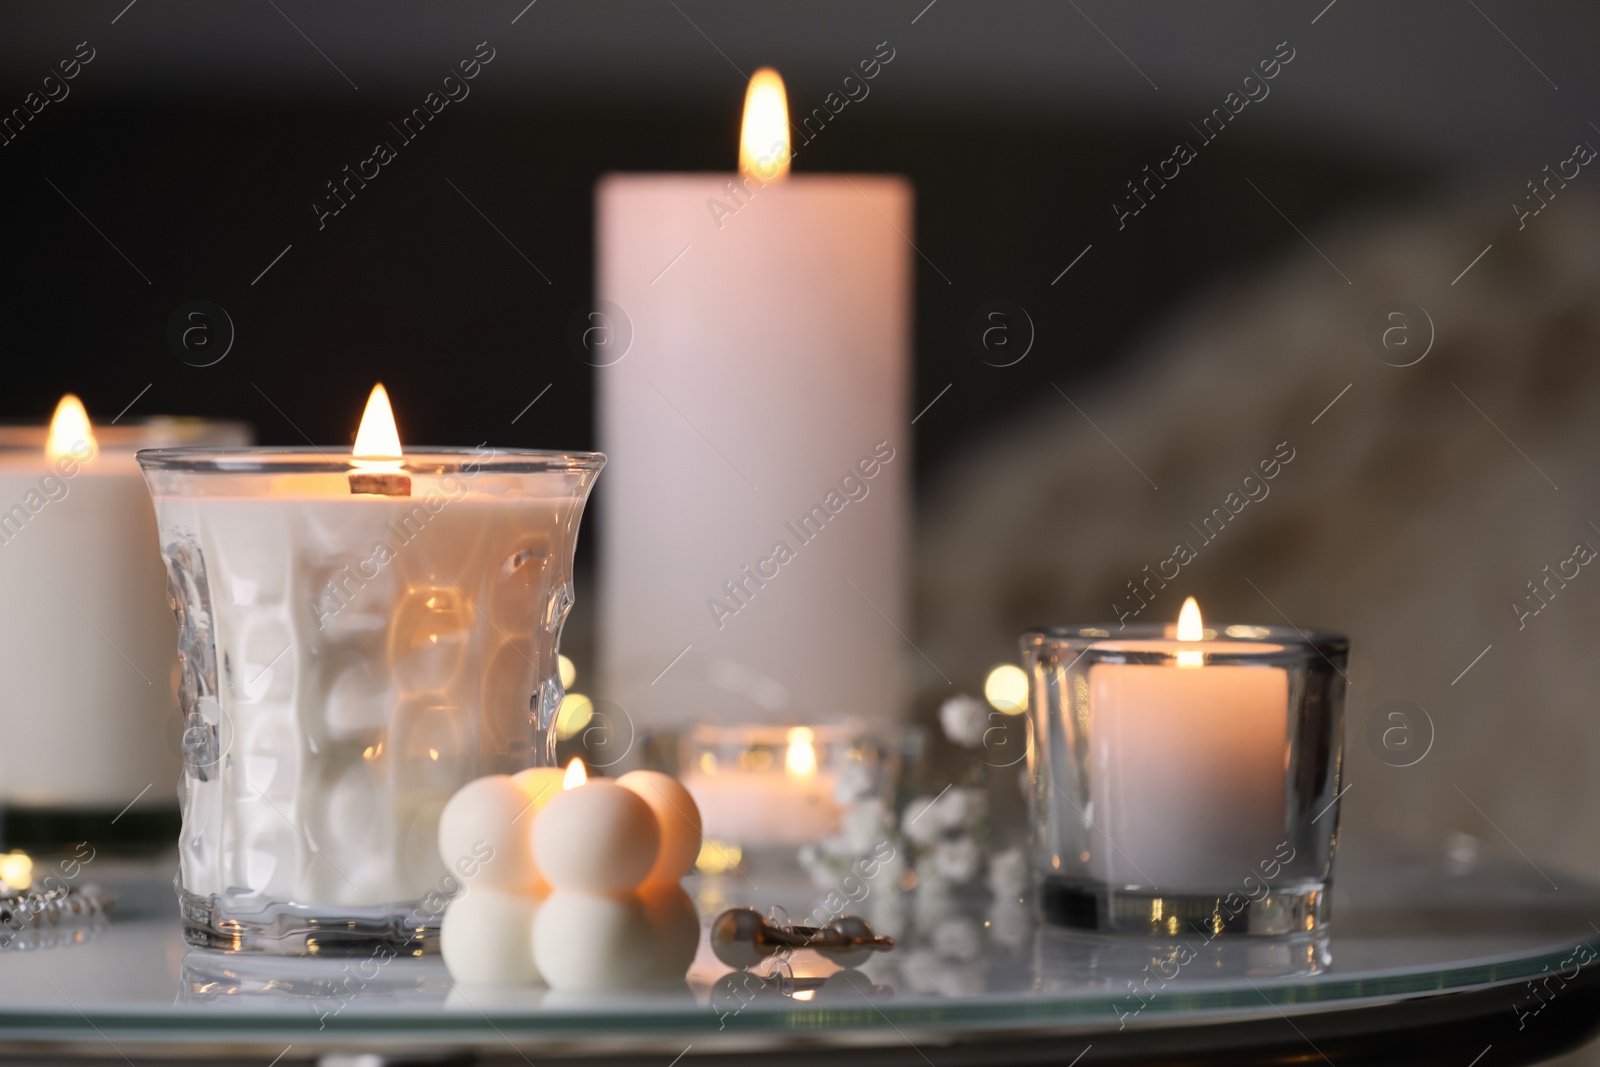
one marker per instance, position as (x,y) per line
(767,790)
(354,645)
(1185,786)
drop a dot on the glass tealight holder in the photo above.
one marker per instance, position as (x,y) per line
(1185,787)
(765,790)
(354,645)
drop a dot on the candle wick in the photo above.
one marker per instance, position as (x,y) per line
(370,483)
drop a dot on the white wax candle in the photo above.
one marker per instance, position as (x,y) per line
(482,835)
(486,938)
(377,652)
(764,808)
(678,817)
(1187,769)
(87,643)
(590,943)
(86,638)
(759,443)
(598,837)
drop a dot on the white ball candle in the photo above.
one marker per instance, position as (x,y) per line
(486,938)
(586,943)
(678,818)
(541,785)
(483,834)
(596,838)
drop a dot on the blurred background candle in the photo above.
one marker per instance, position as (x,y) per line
(753,337)
(89,718)
(765,786)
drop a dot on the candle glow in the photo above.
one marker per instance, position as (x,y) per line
(1006,689)
(70,432)
(1190,628)
(572,715)
(764,133)
(576,774)
(377,447)
(16,870)
(800,760)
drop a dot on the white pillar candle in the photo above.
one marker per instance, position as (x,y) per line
(1188,766)
(87,643)
(758,429)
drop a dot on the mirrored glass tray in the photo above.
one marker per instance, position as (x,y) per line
(1511,949)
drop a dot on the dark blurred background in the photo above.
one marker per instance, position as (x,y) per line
(199,136)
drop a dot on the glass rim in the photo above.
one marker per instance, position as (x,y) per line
(1240,638)
(335,460)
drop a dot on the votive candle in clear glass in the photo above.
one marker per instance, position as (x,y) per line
(1186,785)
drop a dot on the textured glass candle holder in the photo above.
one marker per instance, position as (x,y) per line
(1186,787)
(346,662)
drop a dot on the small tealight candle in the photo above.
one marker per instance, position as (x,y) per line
(1187,777)
(596,836)
(1190,762)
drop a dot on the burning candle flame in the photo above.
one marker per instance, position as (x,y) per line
(801,758)
(16,871)
(377,447)
(764,134)
(70,433)
(576,774)
(1191,628)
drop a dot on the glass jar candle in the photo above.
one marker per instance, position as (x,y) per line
(1186,784)
(354,646)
